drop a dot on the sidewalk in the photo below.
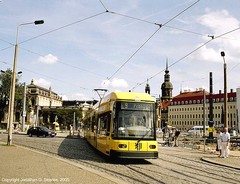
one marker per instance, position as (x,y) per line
(211,156)
(233,161)
(22,165)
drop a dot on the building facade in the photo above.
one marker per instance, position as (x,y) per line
(39,98)
(238,108)
(187,109)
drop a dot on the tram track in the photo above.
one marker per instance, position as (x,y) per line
(205,163)
(166,169)
(215,174)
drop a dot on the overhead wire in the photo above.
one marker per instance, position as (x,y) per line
(188,54)
(145,42)
(67,64)
(103,5)
(65,82)
(133,54)
(59,28)
(107,11)
(160,25)
(67,25)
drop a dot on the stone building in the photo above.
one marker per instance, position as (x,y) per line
(186,109)
(37,99)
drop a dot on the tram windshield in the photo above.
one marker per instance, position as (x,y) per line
(134,120)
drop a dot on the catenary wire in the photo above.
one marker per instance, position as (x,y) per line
(160,25)
(100,14)
(103,5)
(67,64)
(185,56)
(67,25)
(28,70)
(151,23)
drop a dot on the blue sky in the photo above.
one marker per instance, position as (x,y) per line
(81,47)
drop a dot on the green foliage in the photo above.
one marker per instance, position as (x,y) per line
(65,116)
(5,85)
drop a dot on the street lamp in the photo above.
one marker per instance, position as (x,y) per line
(12,94)
(225,92)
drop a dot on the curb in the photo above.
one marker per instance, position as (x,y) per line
(212,161)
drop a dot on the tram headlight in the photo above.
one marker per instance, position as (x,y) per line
(152,146)
(122,146)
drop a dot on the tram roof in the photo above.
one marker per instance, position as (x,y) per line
(131,96)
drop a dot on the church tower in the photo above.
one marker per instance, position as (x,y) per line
(147,88)
(166,86)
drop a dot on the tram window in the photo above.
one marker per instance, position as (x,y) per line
(104,124)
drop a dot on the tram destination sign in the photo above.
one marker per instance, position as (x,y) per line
(136,106)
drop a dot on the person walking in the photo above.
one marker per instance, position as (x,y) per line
(225,143)
(177,133)
(219,142)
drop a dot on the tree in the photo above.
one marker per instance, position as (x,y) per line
(65,116)
(5,85)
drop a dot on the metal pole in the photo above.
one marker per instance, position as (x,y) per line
(210,122)
(74,125)
(24,107)
(37,119)
(204,118)
(225,92)
(12,96)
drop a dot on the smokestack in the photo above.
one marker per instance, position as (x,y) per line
(211,99)
(210,122)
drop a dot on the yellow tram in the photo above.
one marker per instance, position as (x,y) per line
(123,125)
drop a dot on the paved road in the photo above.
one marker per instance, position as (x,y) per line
(174,165)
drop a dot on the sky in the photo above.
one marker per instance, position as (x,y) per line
(121,45)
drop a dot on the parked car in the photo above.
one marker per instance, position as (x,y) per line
(40,131)
(197,130)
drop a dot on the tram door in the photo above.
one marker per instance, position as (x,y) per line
(103,132)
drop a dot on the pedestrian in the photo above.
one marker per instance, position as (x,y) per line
(71,130)
(78,131)
(219,142)
(176,135)
(225,143)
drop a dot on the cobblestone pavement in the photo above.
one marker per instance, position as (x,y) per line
(174,165)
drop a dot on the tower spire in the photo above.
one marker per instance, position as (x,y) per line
(166,63)
(147,88)
(166,85)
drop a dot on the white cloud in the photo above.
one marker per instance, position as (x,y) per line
(208,54)
(48,59)
(218,21)
(115,83)
(42,82)
(119,83)
(105,83)
(64,97)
